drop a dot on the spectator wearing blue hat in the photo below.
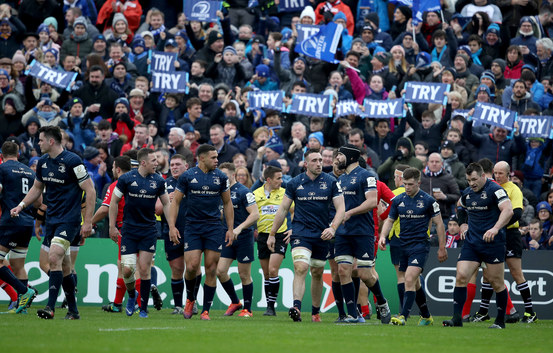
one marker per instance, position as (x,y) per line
(266,55)
(543,209)
(76,121)
(51,58)
(340,18)
(11,30)
(121,82)
(170,46)
(47,112)
(45,42)
(139,55)
(185,49)
(495,43)
(525,36)
(100,46)
(262,79)
(226,69)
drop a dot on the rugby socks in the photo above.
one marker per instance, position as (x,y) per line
(56,277)
(247,291)
(197,285)
(132,293)
(365,310)
(209,293)
(25,282)
(144,294)
(524,290)
(267,289)
(274,287)
(459,298)
(501,298)
(487,293)
(153,276)
(471,293)
(408,300)
(228,286)
(315,310)
(12,283)
(74,278)
(190,288)
(510,307)
(356,283)
(420,298)
(338,298)
(348,290)
(378,293)
(68,284)
(400,293)
(120,290)
(297,304)
(177,287)
(138,286)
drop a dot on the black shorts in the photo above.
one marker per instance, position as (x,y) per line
(15,236)
(513,243)
(263,251)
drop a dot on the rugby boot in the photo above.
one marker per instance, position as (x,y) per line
(530,318)
(158,302)
(245,313)
(232,308)
(47,313)
(294,314)
(188,309)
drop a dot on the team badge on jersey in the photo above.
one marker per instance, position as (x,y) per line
(323,186)
(353,180)
(216,181)
(420,204)
(153,184)
(233,194)
(61,168)
(483,196)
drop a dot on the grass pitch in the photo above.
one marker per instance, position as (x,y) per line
(162,332)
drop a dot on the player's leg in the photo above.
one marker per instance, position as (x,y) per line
(144,266)
(43,259)
(192,259)
(337,289)
(515,267)
(211,258)
(275,261)
(495,274)
(301,257)
(9,277)
(344,258)
(412,274)
(56,255)
(177,282)
(228,285)
(245,273)
(395,253)
(465,269)
(317,270)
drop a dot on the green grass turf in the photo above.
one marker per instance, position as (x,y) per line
(162,332)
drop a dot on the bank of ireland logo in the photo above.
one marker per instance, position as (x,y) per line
(200,10)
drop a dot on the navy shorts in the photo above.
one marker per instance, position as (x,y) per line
(133,240)
(15,236)
(359,246)
(331,251)
(77,240)
(212,238)
(490,254)
(263,251)
(172,251)
(413,255)
(68,231)
(319,248)
(395,250)
(241,249)
(513,243)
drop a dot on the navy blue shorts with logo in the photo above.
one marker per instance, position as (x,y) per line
(209,238)
(413,255)
(15,236)
(395,250)
(135,240)
(241,249)
(359,246)
(172,251)
(489,253)
(68,231)
(319,248)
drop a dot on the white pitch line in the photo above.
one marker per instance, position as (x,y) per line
(138,329)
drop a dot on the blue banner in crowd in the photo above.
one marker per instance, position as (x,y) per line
(491,114)
(203,11)
(378,109)
(322,45)
(535,126)
(292,5)
(170,82)
(162,61)
(266,100)
(306,31)
(420,6)
(462,112)
(311,105)
(56,78)
(424,92)
(347,107)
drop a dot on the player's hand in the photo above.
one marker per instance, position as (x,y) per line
(328,233)
(271,240)
(382,243)
(463,231)
(442,254)
(229,237)
(490,235)
(114,234)
(287,236)
(38,230)
(86,230)
(347,216)
(174,236)
(236,232)
(16,211)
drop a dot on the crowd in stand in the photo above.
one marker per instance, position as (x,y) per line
(496,51)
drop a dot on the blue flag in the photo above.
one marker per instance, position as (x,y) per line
(347,107)
(322,45)
(56,78)
(378,109)
(425,92)
(306,31)
(311,105)
(535,126)
(420,6)
(203,11)
(491,114)
(266,100)
(292,5)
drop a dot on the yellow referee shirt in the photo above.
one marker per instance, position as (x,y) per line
(515,195)
(268,207)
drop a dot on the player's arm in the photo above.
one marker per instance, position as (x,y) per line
(252,218)
(113,209)
(164,199)
(506,209)
(88,187)
(280,216)
(159,207)
(340,206)
(370,202)
(228,208)
(31,197)
(100,214)
(172,214)
(440,229)
(462,218)
(386,228)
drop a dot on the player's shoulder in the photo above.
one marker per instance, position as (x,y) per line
(158,178)
(219,173)
(70,158)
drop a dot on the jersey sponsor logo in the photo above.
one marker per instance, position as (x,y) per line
(61,168)
(205,187)
(269,209)
(300,187)
(415,261)
(134,183)
(401,204)
(500,193)
(311,193)
(194,181)
(246,259)
(142,191)
(409,211)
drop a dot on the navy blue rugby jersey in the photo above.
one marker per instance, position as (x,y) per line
(16,179)
(241,197)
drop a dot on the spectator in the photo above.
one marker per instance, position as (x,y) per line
(514,63)
(96,168)
(119,30)
(226,69)
(130,9)
(440,185)
(121,121)
(105,135)
(77,123)
(404,154)
(79,43)
(96,94)
(525,36)
(217,139)
(452,164)
(47,113)
(195,117)
(11,30)
(520,100)
(537,238)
